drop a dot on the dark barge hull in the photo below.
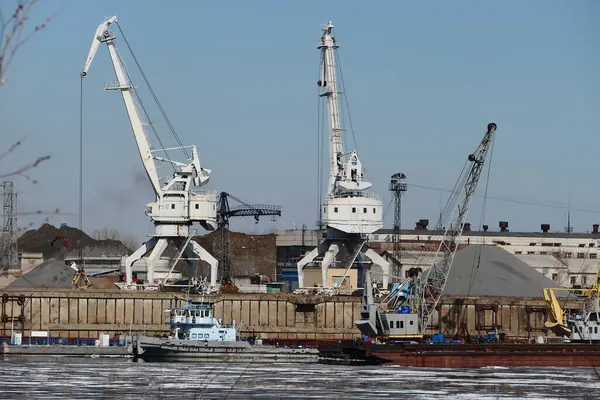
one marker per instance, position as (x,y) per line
(463,355)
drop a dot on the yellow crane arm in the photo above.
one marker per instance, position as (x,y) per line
(555,318)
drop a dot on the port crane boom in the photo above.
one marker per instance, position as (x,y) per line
(177,205)
(415,300)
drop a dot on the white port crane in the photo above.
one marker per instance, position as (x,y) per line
(349,211)
(177,205)
(410,306)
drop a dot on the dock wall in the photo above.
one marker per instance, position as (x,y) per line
(69,313)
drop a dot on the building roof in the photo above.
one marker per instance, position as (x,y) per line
(557,235)
(499,273)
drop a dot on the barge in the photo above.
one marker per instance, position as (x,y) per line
(462,355)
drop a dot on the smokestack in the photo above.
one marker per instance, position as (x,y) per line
(503,226)
(545,228)
(467,227)
(485,228)
(595,228)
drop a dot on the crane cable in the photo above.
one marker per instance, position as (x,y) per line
(160,107)
(320,149)
(477,256)
(81,169)
(339,63)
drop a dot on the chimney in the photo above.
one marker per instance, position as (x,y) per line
(595,228)
(422,225)
(467,227)
(503,226)
(485,228)
(545,228)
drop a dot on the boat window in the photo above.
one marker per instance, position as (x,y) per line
(401,324)
(595,329)
(194,336)
(206,335)
(593,316)
(590,329)
(411,322)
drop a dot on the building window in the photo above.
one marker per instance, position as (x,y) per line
(172,206)
(401,324)
(532,244)
(353,209)
(573,280)
(545,271)
(580,255)
(568,255)
(197,206)
(584,280)
(374,210)
(593,255)
(581,244)
(365,210)
(554,277)
(531,252)
(518,252)
(411,322)
(325,210)
(543,253)
(591,244)
(334,209)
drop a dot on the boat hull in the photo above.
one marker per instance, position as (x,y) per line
(464,355)
(156,349)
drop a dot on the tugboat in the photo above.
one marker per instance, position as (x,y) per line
(196,335)
(196,322)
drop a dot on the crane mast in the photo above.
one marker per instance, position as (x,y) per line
(177,206)
(436,276)
(345,170)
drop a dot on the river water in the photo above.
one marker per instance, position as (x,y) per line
(101,378)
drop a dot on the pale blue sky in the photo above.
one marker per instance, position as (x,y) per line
(238,79)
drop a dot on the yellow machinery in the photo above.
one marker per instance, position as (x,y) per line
(556,320)
(80,280)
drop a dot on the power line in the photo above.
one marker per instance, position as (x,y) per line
(515,201)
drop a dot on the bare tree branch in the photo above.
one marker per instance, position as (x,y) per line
(12,33)
(12,37)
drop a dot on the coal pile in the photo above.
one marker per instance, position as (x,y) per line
(250,254)
(43,241)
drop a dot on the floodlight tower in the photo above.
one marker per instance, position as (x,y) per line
(350,213)
(397,187)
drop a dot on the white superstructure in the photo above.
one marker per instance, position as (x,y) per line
(349,211)
(177,206)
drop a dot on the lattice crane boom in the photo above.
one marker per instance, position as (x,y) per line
(453,219)
(244,209)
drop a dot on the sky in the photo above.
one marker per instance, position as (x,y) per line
(238,80)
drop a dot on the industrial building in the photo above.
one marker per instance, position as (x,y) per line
(568,258)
